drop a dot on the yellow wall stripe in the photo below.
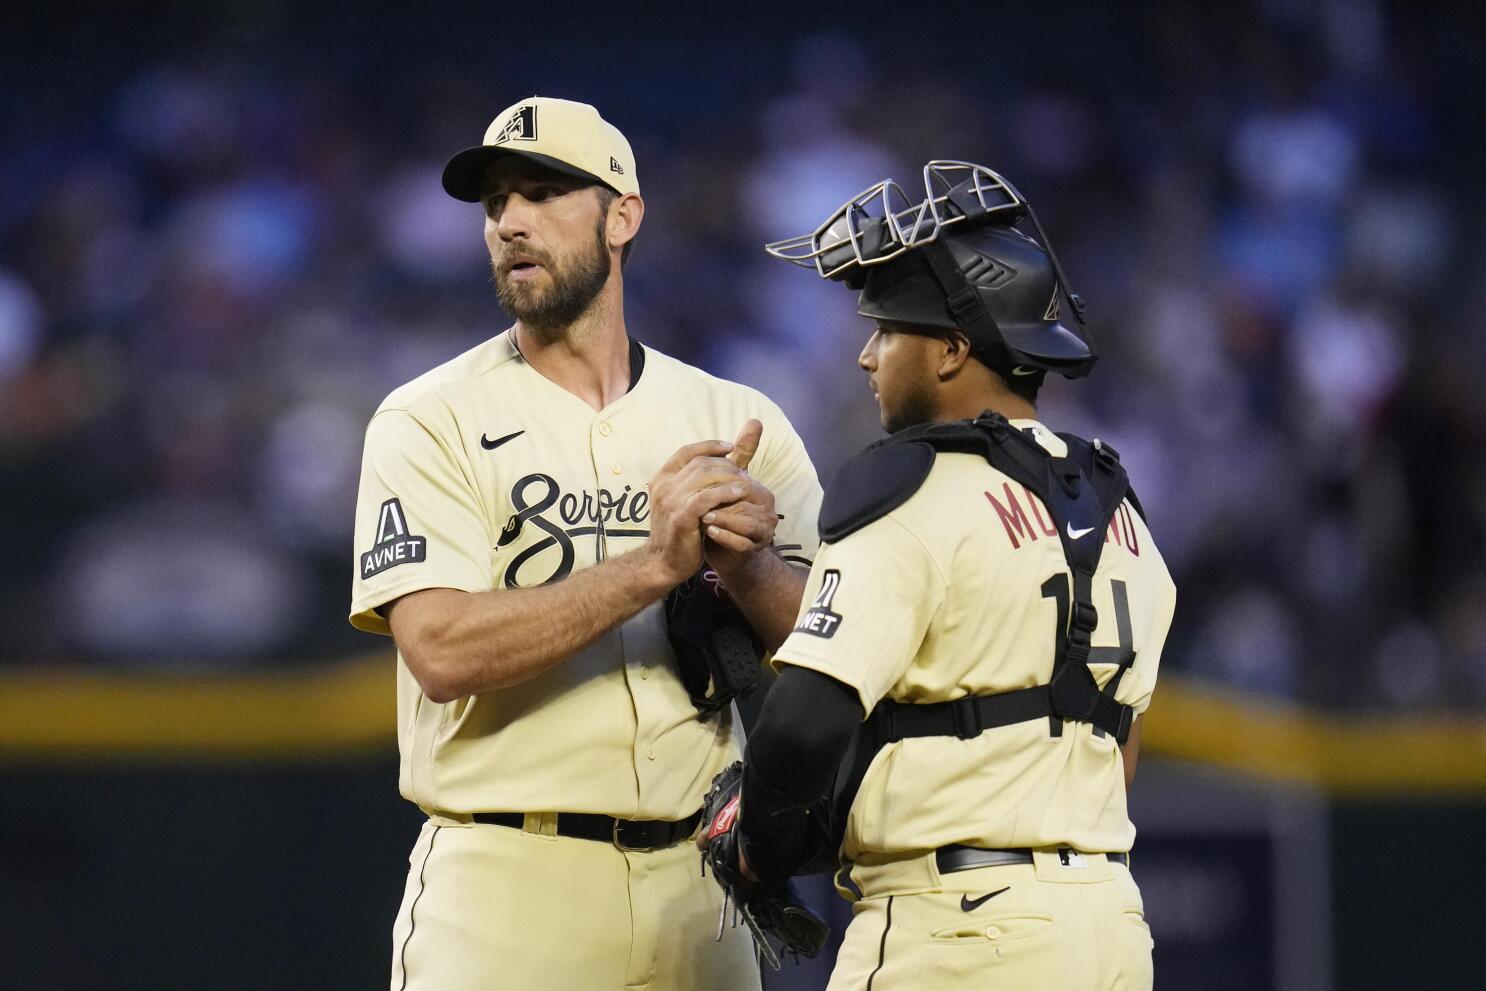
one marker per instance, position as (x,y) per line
(349,707)
(1427,752)
(326,709)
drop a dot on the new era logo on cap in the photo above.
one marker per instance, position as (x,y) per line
(522,127)
(614,166)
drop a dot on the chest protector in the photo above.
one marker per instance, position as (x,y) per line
(1082,492)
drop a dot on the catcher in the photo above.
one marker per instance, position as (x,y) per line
(957,716)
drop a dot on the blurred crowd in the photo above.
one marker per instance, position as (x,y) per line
(221,247)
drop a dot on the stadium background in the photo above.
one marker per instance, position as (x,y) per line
(222,241)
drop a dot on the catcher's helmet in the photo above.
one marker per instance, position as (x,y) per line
(953,262)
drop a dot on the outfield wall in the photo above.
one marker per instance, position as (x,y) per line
(245,832)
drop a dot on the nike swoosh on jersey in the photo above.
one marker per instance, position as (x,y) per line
(491,445)
(966,905)
(1075,534)
(1024,370)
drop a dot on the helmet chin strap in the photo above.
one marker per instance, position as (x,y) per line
(969,310)
(965,304)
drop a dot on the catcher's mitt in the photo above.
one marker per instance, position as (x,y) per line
(773,912)
(718,653)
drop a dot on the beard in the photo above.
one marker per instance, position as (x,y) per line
(576,283)
(916,407)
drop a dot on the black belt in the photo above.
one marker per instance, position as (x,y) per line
(964,858)
(627,834)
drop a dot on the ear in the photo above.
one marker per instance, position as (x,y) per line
(623,222)
(953,353)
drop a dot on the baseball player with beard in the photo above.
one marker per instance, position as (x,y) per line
(523,511)
(981,631)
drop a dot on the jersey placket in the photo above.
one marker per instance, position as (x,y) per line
(610,469)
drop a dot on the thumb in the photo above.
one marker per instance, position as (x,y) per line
(746,446)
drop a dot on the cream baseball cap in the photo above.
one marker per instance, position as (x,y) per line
(560,134)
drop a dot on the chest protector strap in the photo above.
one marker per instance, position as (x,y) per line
(1082,492)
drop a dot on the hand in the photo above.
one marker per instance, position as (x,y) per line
(695,480)
(704,840)
(740,529)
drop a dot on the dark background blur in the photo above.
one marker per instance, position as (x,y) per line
(223,241)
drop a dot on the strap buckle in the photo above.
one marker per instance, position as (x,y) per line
(1085,616)
(964,303)
(966,718)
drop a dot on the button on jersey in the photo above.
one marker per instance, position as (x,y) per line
(563,487)
(956,593)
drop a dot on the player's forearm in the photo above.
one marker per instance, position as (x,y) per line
(464,643)
(794,751)
(768,589)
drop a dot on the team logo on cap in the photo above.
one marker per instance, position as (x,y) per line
(614,165)
(521,127)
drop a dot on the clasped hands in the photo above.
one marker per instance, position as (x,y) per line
(705,505)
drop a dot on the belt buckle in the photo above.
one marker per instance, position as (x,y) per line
(624,847)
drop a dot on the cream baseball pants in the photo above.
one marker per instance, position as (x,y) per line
(492,907)
(1056,924)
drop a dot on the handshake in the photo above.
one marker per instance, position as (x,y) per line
(705,505)
(709,519)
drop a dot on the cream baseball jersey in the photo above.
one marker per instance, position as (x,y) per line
(952,594)
(482,474)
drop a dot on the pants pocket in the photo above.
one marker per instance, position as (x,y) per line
(995,929)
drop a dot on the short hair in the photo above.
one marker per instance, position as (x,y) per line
(606,197)
(1025,386)
(999,360)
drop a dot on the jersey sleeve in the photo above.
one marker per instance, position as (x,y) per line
(783,465)
(419,522)
(1154,623)
(867,607)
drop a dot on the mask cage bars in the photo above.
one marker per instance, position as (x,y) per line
(879,223)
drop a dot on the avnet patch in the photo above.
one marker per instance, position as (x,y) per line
(395,545)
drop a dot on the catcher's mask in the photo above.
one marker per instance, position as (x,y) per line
(955,261)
